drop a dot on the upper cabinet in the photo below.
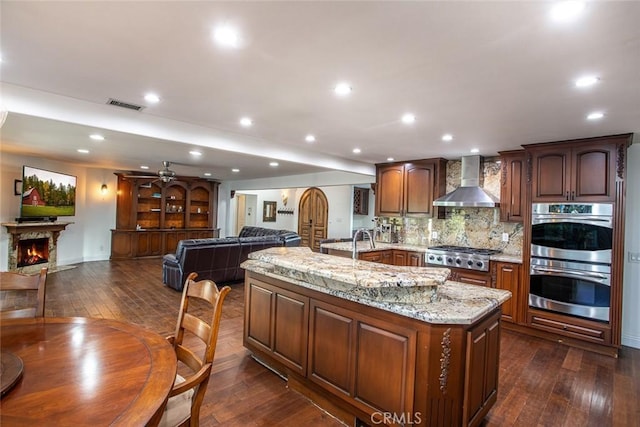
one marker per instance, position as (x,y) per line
(513,186)
(409,189)
(576,171)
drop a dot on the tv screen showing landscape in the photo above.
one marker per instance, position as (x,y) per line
(47,194)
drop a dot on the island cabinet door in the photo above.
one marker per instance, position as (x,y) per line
(385,367)
(369,363)
(291,328)
(481,371)
(331,342)
(259,299)
(277,322)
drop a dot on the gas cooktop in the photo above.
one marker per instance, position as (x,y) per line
(460,257)
(465,250)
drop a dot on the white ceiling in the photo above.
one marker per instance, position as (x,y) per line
(494,74)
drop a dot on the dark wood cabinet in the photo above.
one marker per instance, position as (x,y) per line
(374,256)
(362,362)
(471,277)
(359,346)
(331,332)
(399,257)
(278,323)
(389,256)
(409,189)
(483,352)
(507,277)
(415,259)
(408,258)
(570,327)
(575,171)
(513,186)
(582,170)
(392,348)
(152,216)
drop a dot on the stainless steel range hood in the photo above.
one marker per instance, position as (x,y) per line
(469,194)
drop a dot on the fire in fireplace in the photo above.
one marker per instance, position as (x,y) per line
(33,251)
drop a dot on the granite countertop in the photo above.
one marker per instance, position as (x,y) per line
(421,293)
(365,246)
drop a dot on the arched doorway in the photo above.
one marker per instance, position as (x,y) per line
(312,218)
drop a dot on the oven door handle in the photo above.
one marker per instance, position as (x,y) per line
(590,220)
(572,274)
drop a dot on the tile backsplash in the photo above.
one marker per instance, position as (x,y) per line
(473,227)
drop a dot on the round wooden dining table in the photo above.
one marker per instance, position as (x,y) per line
(83,371)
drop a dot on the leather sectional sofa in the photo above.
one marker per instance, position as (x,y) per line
(219,259)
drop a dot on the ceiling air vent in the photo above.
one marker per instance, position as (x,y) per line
(123,104)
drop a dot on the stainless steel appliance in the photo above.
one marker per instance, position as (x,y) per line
(570,268)
(460,257)
(575,288)
(580,232)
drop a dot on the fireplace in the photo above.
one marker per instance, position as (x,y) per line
(33,251)
(34,245)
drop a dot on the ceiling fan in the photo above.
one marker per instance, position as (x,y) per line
(164,175)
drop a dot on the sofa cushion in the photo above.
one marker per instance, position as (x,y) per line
(251,231)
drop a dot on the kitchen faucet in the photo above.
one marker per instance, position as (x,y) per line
(355,239)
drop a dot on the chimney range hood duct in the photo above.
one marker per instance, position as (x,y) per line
(469,194)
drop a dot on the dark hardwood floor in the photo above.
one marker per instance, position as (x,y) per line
(542,383)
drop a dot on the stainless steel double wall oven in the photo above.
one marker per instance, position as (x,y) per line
(571,258)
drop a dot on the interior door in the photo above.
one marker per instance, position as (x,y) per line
(312,218)
(241,212)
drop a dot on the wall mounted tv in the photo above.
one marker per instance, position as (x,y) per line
(47,194)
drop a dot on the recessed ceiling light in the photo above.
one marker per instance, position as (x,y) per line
(226,36)
(475,150)
(273,164)
(587,81)
(195,153)
(310,138)
(447,137)
(408,118)
(342,89)
(83,151)
(152,98)
(96,137)
(207,174)
(246,122)
(390,159)
(144,167)
(595,115)
(566,11)
(357,151)
(235,170)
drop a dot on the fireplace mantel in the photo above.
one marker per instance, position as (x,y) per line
(16,229)
(30,230)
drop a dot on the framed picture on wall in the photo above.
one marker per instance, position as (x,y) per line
(269,212)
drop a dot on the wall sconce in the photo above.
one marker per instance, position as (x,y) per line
(104,189)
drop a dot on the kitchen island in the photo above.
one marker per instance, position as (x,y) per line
(372,343)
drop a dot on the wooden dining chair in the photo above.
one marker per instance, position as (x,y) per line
(16,288)
(183,406)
